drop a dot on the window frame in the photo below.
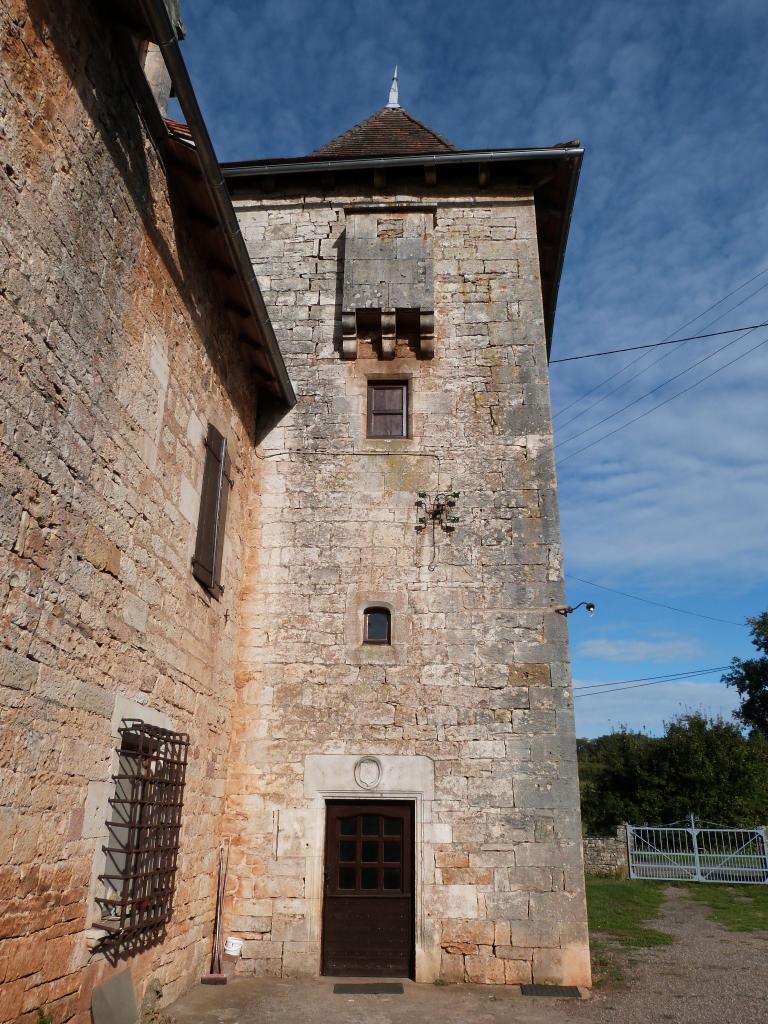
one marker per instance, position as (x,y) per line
(386,611)
(380,383)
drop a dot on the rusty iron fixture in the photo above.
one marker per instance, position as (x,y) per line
(143,835)
(437,509)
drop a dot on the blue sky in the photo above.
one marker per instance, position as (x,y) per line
(671,216)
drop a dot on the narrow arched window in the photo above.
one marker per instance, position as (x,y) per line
(377,626)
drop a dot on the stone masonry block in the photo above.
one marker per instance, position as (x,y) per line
(453,901)
(545,794)
(484,970)
(101,552)
(564,907)
(300,959)
(260,967)
(512,906)
(262,949)
(16,671)
(478,932)
(534,934)
(517,972)
(452,968)
(546,855)
(10,517)
(569,965)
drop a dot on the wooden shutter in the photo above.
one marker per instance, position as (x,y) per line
(206,564)
(387,408)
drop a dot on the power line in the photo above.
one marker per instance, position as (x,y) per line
(657,604)
(645,369)
(657,344)
(658,387)
(682,327)
(666,401)
(637,359)
(668,677)
(620,689)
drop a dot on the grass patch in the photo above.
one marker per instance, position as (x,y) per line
(606,967)
(739,908)
(621,909)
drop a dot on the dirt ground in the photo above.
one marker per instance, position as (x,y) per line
(707,976)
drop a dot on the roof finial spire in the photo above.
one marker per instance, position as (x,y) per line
(394,103)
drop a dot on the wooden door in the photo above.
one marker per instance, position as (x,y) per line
(368,909)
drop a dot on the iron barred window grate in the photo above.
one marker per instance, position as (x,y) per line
(143,834)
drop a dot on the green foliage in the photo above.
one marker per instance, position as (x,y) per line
(43,1017)
(750,678)
(742,908)
(621,909)
(703,765)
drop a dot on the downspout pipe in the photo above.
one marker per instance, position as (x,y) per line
(159,20)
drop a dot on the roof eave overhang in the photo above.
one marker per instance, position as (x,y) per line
(209,194)
(249,169)
(566,160)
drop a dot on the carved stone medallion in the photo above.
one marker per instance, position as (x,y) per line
(368,772)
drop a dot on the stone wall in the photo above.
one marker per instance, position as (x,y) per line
(113,359)
(607,855)
(476,682)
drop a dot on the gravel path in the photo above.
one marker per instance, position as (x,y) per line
(707,976)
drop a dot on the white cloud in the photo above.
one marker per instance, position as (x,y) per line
(648,708)
(679,496)
(658,648)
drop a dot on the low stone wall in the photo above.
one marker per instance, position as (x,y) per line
(606,855)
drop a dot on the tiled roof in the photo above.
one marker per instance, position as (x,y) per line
(178,128)
(388,132)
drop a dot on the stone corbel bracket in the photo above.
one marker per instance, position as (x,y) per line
(388,335)
(349,335)
(388,278)
(426,334)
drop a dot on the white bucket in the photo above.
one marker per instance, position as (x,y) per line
(232,946)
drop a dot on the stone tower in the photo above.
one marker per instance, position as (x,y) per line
(403,788)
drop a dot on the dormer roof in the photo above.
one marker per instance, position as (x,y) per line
(391,131)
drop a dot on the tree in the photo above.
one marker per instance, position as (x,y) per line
(617,781)
(750,678)
(708,766)
(711,768)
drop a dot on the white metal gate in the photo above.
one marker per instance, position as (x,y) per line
(694,851)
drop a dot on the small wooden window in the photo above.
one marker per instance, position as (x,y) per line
(377,626)
(143,834)
(217,480)
(387,408)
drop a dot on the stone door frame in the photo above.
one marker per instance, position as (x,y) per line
(405,778)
